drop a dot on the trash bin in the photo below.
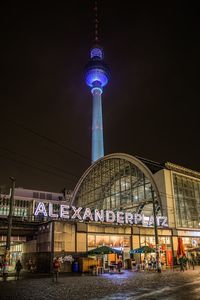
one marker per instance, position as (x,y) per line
(75,266)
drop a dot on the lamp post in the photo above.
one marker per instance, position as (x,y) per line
(156,232)
(10,217)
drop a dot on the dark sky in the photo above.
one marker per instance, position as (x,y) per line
(150,107)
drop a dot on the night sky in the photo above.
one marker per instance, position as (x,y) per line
(150,106)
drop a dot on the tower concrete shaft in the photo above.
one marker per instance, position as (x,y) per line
(97,125)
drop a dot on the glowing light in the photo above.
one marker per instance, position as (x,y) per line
(64,211)
(110,216)
(97,125)
(96,52)
(80,214)
(99,215)
(120,217)
(88,214)
(51,214)
(41,209)
(128,218)
(96,91)
(77,212)
(96,75)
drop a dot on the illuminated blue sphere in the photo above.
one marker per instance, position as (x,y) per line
(96,71)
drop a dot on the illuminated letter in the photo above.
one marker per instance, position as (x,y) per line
(77,213)
(41,209)
(51,214)
(64,211)
(88,214)
(99,216)
(138,218)
(145,220)
(158,219)
(120,217)
(151,221)
(162,221)
(110,216)
(128,218)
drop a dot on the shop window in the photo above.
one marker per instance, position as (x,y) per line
(91,241)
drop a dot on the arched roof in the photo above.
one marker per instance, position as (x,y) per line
(133,161)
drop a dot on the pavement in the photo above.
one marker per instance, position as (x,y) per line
(128,285)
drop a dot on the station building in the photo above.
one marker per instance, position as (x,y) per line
(112,205)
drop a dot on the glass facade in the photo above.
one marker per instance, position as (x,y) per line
(187,201)
(115,184)
(21,208)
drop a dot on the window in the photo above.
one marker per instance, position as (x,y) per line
(42,195)
(115,184)
(187,201)
(35,195)
(49,196)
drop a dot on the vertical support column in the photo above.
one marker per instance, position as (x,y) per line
(7,254)
(97,125)
(156,232)
(52,245)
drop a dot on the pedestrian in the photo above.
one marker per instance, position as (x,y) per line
(119,266)
(192,261)
(159,266)
(33,268)
(18,268)
(5,269)
(56,268)
(150,264)
(153,263)
(1,266)
(185,262)
(29,265)
(181,261)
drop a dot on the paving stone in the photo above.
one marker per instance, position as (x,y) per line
(129,285)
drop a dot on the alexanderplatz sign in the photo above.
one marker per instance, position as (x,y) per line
(67,212)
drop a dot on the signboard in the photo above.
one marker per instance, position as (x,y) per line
(67,212)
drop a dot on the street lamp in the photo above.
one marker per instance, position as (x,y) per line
(156,232)
(10,216)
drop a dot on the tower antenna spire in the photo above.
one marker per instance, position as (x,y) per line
(96,22)
(97,76)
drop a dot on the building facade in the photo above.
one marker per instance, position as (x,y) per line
(112,205)
(25,224)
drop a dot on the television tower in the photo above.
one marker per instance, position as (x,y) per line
(96,77)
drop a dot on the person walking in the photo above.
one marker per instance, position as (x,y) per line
(56,268)
(1,266)
(18,268)
(5,269)
(192,261)
(29,264)
(181,261)
(119,266)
